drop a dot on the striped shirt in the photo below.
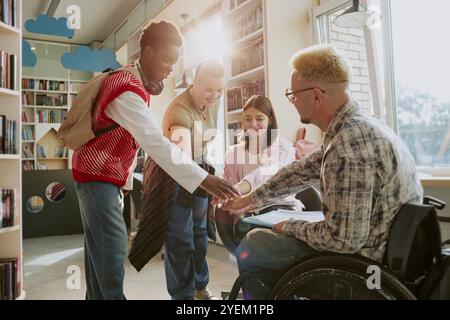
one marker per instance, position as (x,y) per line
(366,174)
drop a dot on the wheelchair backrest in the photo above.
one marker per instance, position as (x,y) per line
(414,243)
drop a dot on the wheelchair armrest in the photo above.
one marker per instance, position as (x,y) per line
(311,198)
(438,204)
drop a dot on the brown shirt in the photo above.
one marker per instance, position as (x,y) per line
(183,113)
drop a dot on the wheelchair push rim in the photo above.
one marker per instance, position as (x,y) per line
(338,277)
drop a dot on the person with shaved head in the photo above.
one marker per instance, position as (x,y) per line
(185,123)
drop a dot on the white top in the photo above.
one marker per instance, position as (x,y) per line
(240,164)
(131,112)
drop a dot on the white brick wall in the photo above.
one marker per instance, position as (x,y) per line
(351,43)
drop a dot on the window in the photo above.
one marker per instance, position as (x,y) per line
(421,63)
(400,69)
(352,43)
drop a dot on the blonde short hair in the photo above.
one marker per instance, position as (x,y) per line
(321,64)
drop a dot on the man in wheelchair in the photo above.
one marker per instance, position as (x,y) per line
(366,174)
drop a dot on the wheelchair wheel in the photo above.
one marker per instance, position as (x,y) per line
(337,277)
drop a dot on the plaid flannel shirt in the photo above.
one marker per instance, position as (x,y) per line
(366,174)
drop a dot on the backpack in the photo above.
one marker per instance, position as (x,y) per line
(440,286)
(76,128)
(416,253)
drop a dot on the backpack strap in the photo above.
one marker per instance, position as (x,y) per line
(101,132)
(130,69)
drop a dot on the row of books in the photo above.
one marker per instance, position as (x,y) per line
(27,116)
(51,100)
(247,24)
(10,279)
(8,141)
(51,116)
(8,12)
(249,57)
(27,98)
(47,85)
(41,166)
(28,84)
(28,165)
(236,3)
(8,70)
(7,208)
(27,151)
(60,152)
(237,96)
(27,133)
(40,152)
(51,85)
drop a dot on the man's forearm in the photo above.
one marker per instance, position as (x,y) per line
(290,179)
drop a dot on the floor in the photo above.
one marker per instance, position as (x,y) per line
(51,266)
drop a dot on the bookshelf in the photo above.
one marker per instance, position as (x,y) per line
(45,102)
(11,248)
(245,63)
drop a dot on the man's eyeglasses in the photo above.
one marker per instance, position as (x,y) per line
(291,96)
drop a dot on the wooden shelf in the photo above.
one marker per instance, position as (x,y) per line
(7,29)
(51,92)
(50,107)
(11,245)
(248,75)
(248,37)
(9,229)
(9,92)
(51,159)
(9,157)
(436,182)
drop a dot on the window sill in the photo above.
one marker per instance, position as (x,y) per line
(436,182)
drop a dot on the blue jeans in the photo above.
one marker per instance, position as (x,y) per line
(185,248)
(105,239)
(262,251)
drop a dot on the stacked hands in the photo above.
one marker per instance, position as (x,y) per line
(227,197)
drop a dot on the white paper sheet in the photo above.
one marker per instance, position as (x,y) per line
(272,218)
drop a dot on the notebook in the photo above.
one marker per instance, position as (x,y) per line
(269,219)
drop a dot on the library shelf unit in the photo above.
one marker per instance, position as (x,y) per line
(11,246)
(245,63)
(45,102)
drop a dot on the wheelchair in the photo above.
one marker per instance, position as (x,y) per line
(332,276)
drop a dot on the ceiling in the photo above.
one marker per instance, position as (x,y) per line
(196,9)
(99,18)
